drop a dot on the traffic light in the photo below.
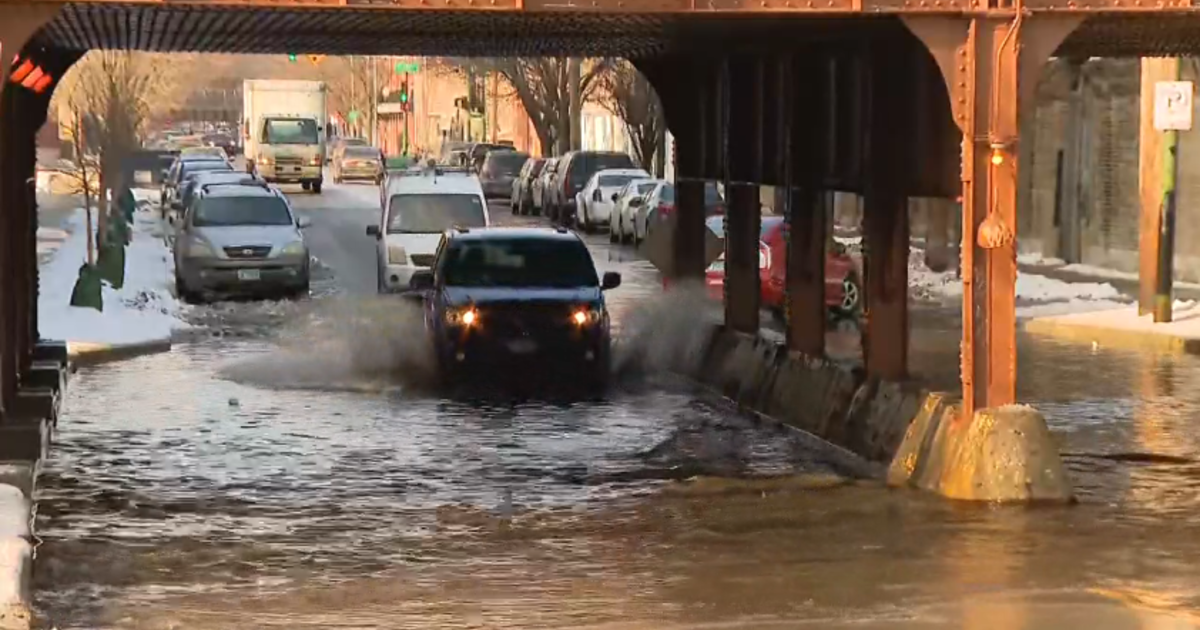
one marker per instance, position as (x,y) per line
(404,91)
(292,57)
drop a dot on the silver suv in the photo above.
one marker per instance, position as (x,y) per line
(240,240)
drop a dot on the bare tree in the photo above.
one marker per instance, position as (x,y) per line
(83,179)
(632,98)
(544,86)
(349,81)
(110,93)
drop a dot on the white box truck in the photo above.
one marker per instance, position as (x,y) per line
(284,130)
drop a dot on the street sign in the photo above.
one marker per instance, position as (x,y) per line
(403,67)
(1173,105)
(657,248)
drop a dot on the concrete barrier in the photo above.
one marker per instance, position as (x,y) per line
(1004,454)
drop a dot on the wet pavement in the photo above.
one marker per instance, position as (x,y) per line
(277,469)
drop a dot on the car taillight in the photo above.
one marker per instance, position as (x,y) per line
(665,209)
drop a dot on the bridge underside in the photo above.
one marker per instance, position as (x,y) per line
(891,105)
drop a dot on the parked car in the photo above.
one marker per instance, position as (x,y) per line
(500,168)
(541,184)
(185,164)
(522,188)
(196,180)
(661,201)
(240,240)
(479,150)
(574,170)
(225,142)
(596,199)
(356,163)
(843,291)
(625,205)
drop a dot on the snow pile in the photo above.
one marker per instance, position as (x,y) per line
(1030,287)
(144,310)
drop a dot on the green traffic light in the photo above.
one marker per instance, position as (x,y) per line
(404,97)
(291,57)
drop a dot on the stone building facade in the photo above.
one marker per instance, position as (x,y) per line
(1080,198)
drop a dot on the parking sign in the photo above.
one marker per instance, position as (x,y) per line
(1173,105)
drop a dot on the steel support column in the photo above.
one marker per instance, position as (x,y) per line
(990,65)
(811,136)
(694,144)
(743,94)
(885,212)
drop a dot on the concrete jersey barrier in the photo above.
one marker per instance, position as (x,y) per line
(1003,455)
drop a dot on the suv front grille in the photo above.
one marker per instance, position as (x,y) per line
(248,251)
(289,161)
(422,260)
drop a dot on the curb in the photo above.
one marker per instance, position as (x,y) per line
(1088,333)
(85,353)
(16,545)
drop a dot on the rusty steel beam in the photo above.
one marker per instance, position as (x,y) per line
(691,115)
(888,178)
(812,100)
(990,67)
(742,94)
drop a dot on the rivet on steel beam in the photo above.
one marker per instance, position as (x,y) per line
(763,4)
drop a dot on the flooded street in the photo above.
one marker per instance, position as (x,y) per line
(270,471)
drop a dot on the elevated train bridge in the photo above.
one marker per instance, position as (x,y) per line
(890,99)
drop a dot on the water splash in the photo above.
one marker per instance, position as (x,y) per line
(669,331)
(364,343)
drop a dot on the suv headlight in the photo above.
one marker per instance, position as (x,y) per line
(587,316)
(462,316)
(397,255)
(294,248)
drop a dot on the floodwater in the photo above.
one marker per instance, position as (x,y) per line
(279,470)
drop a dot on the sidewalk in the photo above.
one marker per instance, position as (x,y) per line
(138,318)
(1124,328)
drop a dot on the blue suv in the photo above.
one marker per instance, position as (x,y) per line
(499,297)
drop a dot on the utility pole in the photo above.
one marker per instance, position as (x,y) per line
(575,108)
(495,104)
(1172,114)
(374,103)
(353,81)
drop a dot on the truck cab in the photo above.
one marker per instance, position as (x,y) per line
(285,132)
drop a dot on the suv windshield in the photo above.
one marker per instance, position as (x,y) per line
(229,211)
(290,131)
(425,214)
(519,262)
(505,162)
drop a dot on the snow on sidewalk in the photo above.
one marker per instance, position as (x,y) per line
(144,311)
(1037,295)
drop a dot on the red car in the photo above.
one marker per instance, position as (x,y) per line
(843,292)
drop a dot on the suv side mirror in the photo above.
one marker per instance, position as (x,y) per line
(611,280)
(421,280)
(616,196)
(303,222)
(373,230)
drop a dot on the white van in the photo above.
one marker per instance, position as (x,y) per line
(420,207)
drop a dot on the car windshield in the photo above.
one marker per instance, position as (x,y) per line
(230,211)
(711,194)
(645,187)
(587,164)
(519,262)
(354,142)
(426,214)
(616,181)
(290,131)
(717,225)
(362,153)
(506,162)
